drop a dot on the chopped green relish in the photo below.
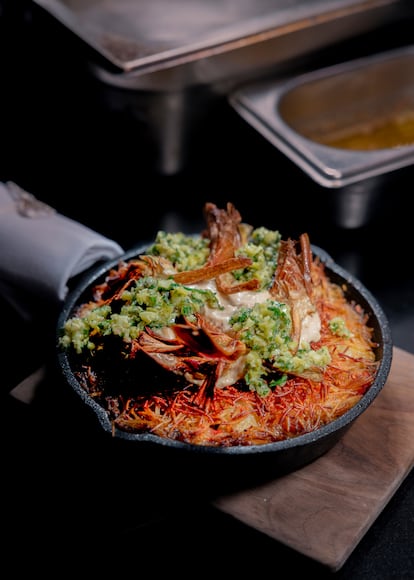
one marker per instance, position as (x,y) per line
(263,250)
(184,252)
(150,302)
(192,252)
(266,330)
(337,326)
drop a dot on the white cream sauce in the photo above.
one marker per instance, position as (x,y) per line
(229,303)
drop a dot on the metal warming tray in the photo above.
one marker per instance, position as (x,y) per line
(172,44)
(349,127)
(342,124)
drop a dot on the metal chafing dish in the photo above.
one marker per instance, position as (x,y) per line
(349,126)
(169,47)
(171,44)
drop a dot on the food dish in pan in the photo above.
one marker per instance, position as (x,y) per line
(231,339)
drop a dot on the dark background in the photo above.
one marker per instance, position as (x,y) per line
(88,150)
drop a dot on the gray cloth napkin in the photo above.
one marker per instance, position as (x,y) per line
(41,250)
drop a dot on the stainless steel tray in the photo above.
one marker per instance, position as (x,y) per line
(299,115)
(200,38)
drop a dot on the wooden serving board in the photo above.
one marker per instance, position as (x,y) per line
(324,509)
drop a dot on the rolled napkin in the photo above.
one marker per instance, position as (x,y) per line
(41,250)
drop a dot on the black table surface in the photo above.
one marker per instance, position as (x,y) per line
(64,494)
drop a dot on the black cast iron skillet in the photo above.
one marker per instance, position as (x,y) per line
(279,457)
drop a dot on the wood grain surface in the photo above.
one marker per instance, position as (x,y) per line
(325,508)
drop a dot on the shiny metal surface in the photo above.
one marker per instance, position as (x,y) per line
(159,44)
(296,113)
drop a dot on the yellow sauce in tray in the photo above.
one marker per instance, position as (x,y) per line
(396,131)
